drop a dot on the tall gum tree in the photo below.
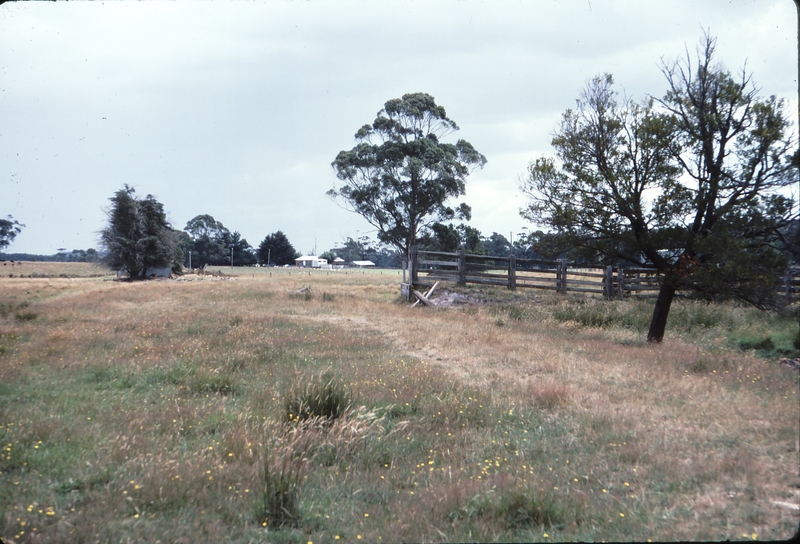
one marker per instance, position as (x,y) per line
(401,174)
(689,185)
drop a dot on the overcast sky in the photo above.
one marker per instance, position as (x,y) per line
(237,109)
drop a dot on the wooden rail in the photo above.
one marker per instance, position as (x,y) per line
(559,276)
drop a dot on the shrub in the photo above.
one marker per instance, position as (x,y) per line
(323,397)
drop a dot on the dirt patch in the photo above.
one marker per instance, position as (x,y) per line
(448,299)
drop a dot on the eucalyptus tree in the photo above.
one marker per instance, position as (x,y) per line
(9,228)
(400,175)
(690,185)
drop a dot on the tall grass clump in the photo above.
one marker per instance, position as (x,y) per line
(529,508)
(279,504)
(323,397)
(589,315)
(691,315)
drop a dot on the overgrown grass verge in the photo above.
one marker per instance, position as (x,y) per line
(768,334)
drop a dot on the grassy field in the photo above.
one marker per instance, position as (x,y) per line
(40,269)
(183,411)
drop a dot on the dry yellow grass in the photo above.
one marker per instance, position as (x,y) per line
(725,440)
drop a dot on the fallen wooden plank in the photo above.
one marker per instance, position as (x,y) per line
(421,298)
(426,296)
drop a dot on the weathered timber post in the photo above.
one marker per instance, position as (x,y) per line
(462,267)
(404,266)
(558,277)
(787,283)
(561,276)
(621,282)
(413,262)
(608,283)
(512,273)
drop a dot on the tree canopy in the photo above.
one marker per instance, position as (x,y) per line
(276,248)
(689,184)
(401,174)
(211,242)
(138,235)
(9,228)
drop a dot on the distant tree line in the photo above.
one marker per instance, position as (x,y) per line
(139,238)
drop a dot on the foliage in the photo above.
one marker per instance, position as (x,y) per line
(9,228)
(400,175)
(79,256)
(275,248)
(364,249)
(440,237)
(689,184)
(329,256)
(450,238)
(138,236)
(211,242)
(550,246)
(497,244)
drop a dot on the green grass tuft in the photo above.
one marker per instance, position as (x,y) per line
(530,508)
(279,504)
(25,316)
(323,397)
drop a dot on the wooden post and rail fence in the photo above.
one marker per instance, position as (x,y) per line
(560,276)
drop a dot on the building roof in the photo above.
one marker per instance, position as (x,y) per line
(308,258)
(363,263)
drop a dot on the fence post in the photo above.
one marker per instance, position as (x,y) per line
(561,277)
(621,282)
(608,279)
(787,283)
(414,268)
(512,273)
(558,277)
(462,267)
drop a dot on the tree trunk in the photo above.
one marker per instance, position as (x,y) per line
(661,311)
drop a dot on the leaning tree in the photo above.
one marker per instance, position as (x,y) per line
(690,185)
(400,175)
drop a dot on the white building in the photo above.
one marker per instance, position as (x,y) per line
(310,261)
